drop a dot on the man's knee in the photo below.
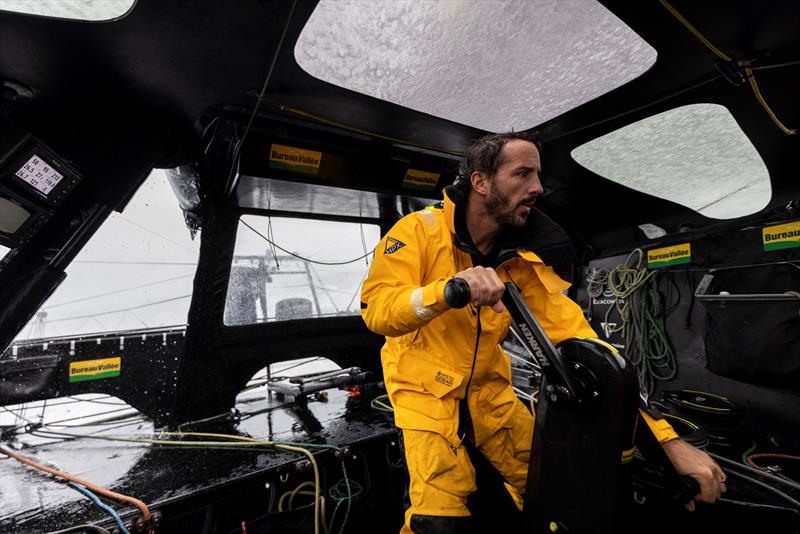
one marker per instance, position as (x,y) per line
(440,479)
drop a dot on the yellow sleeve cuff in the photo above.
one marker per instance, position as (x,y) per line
(660,428)
(433,296)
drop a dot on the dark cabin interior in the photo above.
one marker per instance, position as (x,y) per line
(206,89)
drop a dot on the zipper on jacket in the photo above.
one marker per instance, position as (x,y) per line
(464,417)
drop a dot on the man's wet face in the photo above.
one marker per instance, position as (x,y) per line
(504,211)
(516,184)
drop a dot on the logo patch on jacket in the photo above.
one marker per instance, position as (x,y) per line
(392,245)
(442,378)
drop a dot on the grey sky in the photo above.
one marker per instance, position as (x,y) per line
(337,286)
(144,256)
(138,257)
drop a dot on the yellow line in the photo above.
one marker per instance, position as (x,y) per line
(708,408)
(724,57)
(688,25)
(705,394)
(681,419)
(754,85)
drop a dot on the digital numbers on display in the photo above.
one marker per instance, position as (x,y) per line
(39,174)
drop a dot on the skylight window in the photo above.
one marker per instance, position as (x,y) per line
(694,155)
(95,10)
(494,65)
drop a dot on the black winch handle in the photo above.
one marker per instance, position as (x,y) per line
(457,295)
(687,489)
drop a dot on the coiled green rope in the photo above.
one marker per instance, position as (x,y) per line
(656,358)
(639,305)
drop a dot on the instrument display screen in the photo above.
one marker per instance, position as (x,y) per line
(39,174)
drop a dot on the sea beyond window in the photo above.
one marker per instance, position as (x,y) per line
(695,155)
(496,65)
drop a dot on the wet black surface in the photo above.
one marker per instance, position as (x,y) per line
(186,484)
(161,476)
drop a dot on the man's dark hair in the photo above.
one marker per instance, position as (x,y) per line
(485,154)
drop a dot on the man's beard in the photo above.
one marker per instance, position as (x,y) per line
(498,207)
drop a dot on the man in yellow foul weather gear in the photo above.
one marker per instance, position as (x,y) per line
(446,375)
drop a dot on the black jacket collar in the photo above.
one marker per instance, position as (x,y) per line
(540,235)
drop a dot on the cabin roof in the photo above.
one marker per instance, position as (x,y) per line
(121,96)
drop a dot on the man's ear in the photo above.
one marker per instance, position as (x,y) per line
(480,182)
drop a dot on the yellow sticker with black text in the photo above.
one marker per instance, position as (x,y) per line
(781,236)
(293,159)
(668,256)
(95,369)
(416,179)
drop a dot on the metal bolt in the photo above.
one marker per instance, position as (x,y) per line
(553,397)
(303,465)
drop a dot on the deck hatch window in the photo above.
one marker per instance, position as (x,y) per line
(304,273)
(494,65)
(89,10)
(695,155)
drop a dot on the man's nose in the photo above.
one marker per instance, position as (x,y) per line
(536,187)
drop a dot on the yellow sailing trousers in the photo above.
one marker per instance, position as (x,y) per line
(441,477)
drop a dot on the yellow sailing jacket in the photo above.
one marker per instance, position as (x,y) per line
(434,354)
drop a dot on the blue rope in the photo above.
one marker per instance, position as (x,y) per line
(100,504)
